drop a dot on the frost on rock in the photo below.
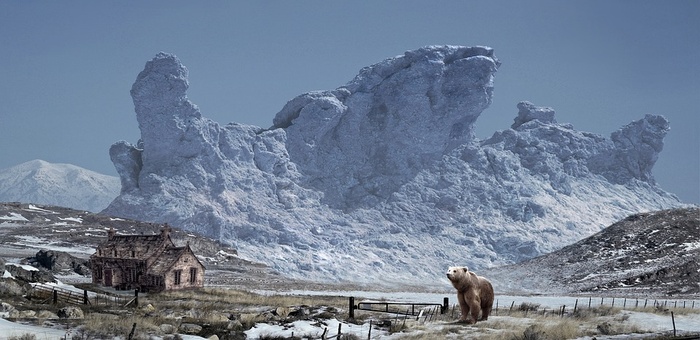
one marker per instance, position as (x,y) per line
(375,179)
(360,143)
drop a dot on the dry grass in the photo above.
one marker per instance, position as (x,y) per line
(218,298)
(528,325)
(99,326)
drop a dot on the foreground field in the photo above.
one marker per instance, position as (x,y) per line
(235,314)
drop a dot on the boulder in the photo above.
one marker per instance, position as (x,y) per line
(11,287)
(190,328)
(29,274)
(58,261)
(71,312)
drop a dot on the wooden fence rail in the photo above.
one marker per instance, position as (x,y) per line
(55,295)
(384,307)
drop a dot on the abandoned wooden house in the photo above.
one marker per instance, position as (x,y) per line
(149,263)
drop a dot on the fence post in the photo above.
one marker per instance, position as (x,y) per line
(351,311)
(85,297)
(575,305)
(369,334)
(55,296)
(673,319)
(136,297)
(339,326)
(133,329)
(446,305)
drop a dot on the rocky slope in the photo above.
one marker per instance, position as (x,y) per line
(63,185)
(31,233)
(644,254)
(382,180)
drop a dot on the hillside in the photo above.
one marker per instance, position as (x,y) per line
(64,185)
(27,228)
(648,253)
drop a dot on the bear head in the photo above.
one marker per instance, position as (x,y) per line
(455,273)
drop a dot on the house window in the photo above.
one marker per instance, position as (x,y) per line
(99,252)
(193,275)
(133,253)
(178,276)
(115,252)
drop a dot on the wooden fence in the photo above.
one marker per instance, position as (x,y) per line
(56,295)
(596,302)
(396,307)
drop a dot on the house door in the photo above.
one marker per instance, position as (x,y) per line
(108,277)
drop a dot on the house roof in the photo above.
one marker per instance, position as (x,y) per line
(168,258)
(148,243)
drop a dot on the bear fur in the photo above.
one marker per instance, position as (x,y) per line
(474,293)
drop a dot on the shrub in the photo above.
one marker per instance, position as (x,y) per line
(26,336)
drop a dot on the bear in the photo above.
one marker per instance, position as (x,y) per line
(474,293)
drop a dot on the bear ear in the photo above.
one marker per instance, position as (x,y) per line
(465,269)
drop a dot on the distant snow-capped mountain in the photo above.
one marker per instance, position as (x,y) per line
(58,184)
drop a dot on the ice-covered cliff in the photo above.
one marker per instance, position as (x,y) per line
(382,179)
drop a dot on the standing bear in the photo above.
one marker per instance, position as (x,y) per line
(474,293)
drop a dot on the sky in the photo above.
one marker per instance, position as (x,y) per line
(66,68)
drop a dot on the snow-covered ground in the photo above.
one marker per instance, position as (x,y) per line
(12,329)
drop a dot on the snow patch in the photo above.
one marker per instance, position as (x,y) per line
(13,217)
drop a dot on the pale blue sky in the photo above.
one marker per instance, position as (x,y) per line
(67,67)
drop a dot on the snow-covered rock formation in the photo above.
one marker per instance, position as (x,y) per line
(58,184)
(382,180)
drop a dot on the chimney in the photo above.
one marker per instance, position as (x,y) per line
(110,234)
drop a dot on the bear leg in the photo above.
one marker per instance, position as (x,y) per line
(463,306)
(474,308)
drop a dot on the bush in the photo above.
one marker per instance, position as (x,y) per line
(26,336)
(528,307)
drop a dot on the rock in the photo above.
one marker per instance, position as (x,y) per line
(11,287)
(385,166)
(213,337)
(23,314)
(6,309)
(528,111)
(148,308)
(29,274)
(636,148)
(217,317)
(407,112)
(70,312)
(235,325)
(167,328)
(190,328)
(58,261)
(45,314)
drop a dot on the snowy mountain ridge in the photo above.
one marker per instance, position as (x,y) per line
(58,184)
(382,180)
